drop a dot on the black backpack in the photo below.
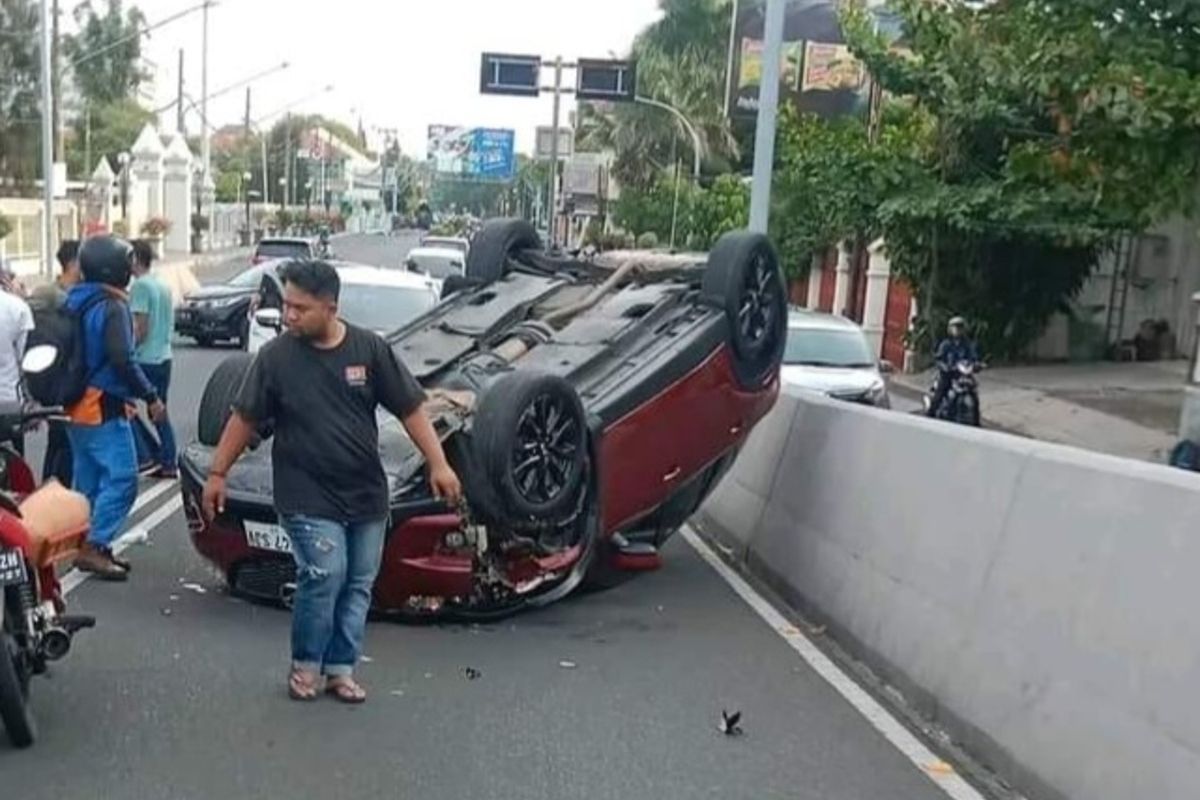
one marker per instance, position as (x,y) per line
(65,381)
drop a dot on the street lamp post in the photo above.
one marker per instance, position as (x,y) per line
(768,108)
(123,161)
(697,142)
(246,178)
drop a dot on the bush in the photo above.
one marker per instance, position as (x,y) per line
(156,227)
(200,223)
(647,241)
(628,241)
(284,219)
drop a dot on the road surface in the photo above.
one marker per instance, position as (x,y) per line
(179,692)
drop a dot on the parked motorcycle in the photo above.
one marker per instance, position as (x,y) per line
(961,403)
(40,528)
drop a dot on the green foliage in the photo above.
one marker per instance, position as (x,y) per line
(229,185)
(20,105)
(704,214)
(104,55)
(115,126)
(724,207)
(647,241)
(1055,127)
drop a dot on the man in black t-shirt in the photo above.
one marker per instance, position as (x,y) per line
(320,385)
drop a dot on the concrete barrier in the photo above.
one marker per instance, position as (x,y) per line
(1037,601)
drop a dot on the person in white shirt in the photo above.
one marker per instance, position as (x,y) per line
(16,321)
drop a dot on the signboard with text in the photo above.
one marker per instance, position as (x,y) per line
(472,153)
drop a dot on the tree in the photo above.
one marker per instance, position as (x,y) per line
(1055,128)
(105,55)
(19,99)
(114,127)
(681,61)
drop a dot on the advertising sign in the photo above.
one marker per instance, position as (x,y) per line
(818,74)
(471,153)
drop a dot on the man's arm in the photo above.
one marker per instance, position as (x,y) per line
(119,349)
(234,440)
(139,306)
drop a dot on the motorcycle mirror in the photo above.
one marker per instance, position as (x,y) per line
(39,359)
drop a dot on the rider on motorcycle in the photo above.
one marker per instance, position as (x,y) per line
(950,352)
(323,242)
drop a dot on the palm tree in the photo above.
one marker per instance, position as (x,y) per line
(681,60)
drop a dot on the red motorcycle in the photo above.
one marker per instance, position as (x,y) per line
(40,528)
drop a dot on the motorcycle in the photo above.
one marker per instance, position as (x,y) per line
(961,402)
(40,528)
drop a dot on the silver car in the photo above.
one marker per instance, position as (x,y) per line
(830,354)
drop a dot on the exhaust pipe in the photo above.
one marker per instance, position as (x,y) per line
(56,643)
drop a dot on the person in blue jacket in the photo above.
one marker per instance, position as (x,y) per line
(104,459)
(957,347)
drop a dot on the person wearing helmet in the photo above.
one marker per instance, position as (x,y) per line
(104,458)
(955,348)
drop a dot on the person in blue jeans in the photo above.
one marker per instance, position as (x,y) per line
(104,464)
(320,386)
(153,325)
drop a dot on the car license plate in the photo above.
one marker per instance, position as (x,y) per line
(265,536)
(12,567)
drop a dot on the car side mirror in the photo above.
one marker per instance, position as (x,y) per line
(886,367)
(269,318)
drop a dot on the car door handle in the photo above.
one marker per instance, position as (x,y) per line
(672,475)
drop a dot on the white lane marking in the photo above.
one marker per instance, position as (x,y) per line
(74,579)
(929,763)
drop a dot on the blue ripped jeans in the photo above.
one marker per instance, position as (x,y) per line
(336,565)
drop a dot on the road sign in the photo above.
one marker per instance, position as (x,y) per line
(473,153)
(545,142)
(505,73)
(606,80)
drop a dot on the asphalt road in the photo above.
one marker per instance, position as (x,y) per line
(179,692)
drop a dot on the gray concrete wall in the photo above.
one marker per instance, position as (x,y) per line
(1038,601)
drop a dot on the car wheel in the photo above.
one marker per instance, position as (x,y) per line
(530,438)
(216,404)
(743,279)
(494,245)
(204,341)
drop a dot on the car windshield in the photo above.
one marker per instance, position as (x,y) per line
(817,347)
(437,266)
(282,250)
(383,308)
(451,244)
(249,279)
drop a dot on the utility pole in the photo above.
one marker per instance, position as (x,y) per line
(47,145)
(288,172)
(246,176)
(56,72)
(733,18)
(558,70)
(768,107)
(205,139)
(179,96)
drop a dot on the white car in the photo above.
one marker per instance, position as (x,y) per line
(377,299)
(447,243)
(436,262)
(830,355)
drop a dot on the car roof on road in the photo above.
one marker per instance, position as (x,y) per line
(807,318)
(361,274)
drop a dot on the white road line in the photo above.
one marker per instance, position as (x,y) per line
(74,579)
(937,770)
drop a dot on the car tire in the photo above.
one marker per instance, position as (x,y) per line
(15,713)
(495,244)
(538,418)
(743,278)
(216,404)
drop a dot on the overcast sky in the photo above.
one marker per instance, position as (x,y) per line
(399,63)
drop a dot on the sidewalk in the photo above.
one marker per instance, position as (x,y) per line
(1129,410)
(182,271)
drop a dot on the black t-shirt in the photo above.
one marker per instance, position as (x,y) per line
(325,458)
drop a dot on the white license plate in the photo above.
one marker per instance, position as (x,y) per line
(12,567)
(265,536)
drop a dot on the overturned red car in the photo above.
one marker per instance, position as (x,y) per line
(589,404)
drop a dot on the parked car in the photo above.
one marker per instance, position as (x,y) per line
(221,312)
(458,243)
(588,406)
(830,354)
(283,247)
(377,299)
(436,262)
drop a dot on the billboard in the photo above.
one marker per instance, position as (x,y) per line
(818,74)
(471,153)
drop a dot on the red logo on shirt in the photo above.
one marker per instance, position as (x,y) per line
(356,375)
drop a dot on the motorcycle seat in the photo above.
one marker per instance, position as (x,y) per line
(57,519)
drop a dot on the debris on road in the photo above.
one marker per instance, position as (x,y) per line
(472,674)
(365,659)
(567,664)
(195,587)
(396,693)
(730,723)
(166,611)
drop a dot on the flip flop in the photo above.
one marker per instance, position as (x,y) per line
(301,686)
(345,690)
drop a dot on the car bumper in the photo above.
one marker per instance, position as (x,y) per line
(213,323)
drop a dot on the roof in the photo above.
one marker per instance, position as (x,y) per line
(807,318)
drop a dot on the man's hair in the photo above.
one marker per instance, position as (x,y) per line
(315,277)
(68,251)
(143,253)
